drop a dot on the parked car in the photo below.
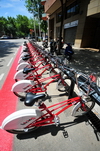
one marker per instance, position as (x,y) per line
(4,37)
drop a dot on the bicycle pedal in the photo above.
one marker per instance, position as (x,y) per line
(65,134)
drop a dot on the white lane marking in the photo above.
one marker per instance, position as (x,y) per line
(1,76)
(10,62)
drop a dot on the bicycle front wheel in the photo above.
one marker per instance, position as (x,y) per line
(19,122)
(53,72)
(82,109)
(62,87)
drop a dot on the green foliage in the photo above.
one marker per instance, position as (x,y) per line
(44,26)
(21,25)
(17,27)
(35,7)
(3,22)
(10,26)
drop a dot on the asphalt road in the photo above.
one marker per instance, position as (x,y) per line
(8,50)
(73,134)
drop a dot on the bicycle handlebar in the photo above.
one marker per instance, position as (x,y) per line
(85,83)
(88,86)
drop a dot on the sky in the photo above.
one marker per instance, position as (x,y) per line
(12,8)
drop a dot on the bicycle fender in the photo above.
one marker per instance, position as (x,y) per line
(23,65)
(23,47)
(20,118)
(75,108)
(22,86)
(20,75)
(21,60)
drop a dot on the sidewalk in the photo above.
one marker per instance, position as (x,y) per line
(86,61)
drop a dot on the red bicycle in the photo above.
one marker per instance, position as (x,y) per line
(27,120)
(22,87)
(31,73)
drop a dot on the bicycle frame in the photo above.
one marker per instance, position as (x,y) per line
(30,75)
(33,59)
(50,118)
(25,64)
(39,87)
(45,68)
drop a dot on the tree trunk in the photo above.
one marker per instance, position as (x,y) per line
(63,7)
(61,26)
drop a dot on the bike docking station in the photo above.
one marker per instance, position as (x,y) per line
(42,79)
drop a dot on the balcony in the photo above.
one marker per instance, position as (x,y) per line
(43,2)
(51,6)
(44,16)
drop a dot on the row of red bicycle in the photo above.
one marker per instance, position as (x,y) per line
(30,83)
(32,65)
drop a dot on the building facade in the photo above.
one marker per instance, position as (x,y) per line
(81,22)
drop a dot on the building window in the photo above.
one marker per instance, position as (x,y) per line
(77,8)
(58,17)
(72,9)
(68,12)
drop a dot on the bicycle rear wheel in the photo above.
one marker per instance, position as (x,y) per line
(20,94)
(22,131)
(21,88)
(82,109)
(19,121)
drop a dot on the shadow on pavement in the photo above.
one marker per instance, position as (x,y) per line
(52,129)
(86,61)
(5,47)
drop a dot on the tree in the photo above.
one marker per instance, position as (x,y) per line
(35,7)
(22,23)
(19,26)
(3,22)
(63,7)
(11,26)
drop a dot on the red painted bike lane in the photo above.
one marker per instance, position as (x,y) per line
(8,103)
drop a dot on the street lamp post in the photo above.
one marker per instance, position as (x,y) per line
(39,20)
(34,20)
(34,27)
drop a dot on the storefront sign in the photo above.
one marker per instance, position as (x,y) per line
(71,24)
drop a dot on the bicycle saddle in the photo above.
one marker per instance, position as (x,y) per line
(31,98)
(27,70)
(26,57)
(25,50)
